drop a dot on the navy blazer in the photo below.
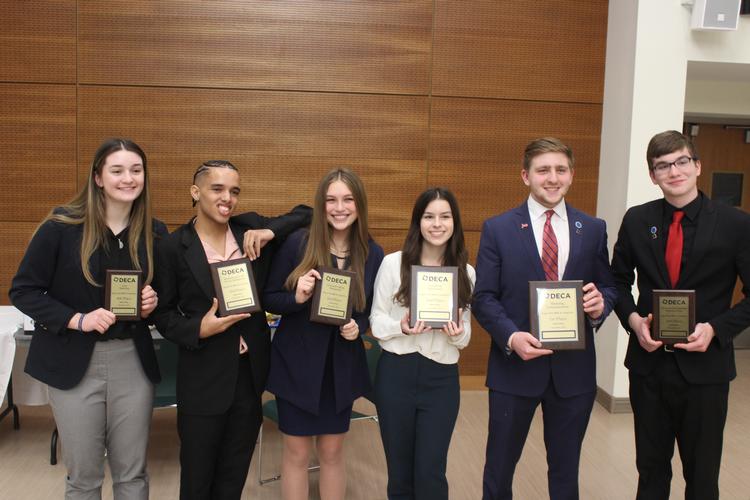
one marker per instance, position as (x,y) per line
(207,368)
(720,253)
(50,288)
(507,260)
(299,348)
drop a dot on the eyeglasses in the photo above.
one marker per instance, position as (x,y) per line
(681,163)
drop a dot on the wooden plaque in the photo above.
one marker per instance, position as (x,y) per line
(556,313)
(674,315)
(434,295)
(234,285)
(122,293)
(333,296)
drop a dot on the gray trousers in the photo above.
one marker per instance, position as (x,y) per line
(108,411)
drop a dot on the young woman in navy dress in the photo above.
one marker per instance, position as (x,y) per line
(318,370)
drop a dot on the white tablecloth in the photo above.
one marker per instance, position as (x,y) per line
(26,390)
(10,321)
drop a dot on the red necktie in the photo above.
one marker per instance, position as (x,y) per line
(549,249)
(673,255)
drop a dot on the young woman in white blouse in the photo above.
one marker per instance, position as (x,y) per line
(417,388)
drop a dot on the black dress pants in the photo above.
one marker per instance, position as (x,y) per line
(667,408)
(215,450)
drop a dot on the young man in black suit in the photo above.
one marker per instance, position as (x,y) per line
(223,362)
(684,241)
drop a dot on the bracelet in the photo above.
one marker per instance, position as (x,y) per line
(80,322)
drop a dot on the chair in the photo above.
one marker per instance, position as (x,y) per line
(271,411)
(165,395)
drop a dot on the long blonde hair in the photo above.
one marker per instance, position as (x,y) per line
(88,208)
(318,248)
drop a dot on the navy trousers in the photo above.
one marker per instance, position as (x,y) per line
(565,422)
(417,401)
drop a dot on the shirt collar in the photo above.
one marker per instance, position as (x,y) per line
(536,209)
(691,210)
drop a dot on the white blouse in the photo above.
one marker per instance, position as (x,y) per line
(386,315)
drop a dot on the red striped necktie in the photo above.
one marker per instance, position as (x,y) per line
(549,249)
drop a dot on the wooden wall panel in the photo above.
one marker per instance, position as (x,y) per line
(407,96)
(477,149)
(38,130)
(723,150)
(549,51)
(287,141)
(38,41)
(15,237)
(353,46)
(390,239)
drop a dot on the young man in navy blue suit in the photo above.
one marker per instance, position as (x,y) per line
(684,241)
(543,238)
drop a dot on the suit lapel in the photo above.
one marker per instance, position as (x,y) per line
(703,236)
(575,231)
(143,258)
(239,235)
(96,294)
(652,228)
(196,260)
(526,234)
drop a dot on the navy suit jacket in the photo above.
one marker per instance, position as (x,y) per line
(508,259)
(207,368)
(50,288)
(300,347)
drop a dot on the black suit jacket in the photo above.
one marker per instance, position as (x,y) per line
(720,253)
(50,288)
(207,368)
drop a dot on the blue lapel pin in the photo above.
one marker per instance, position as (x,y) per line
(653,232)
(578,226)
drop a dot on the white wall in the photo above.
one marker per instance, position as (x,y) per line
(718,98)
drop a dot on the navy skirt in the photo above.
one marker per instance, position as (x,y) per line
(295,421)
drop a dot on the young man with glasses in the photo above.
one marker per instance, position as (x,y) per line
(682,242)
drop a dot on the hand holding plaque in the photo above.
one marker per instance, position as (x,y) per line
(234,284)
(332,298)
(122,294)
(556,314)
(674,315)
(434,290)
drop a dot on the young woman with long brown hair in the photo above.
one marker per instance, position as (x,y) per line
(317,370)
(416,387)
(101,371)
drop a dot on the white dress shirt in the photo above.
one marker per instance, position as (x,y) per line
(560,226)
(386,315)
